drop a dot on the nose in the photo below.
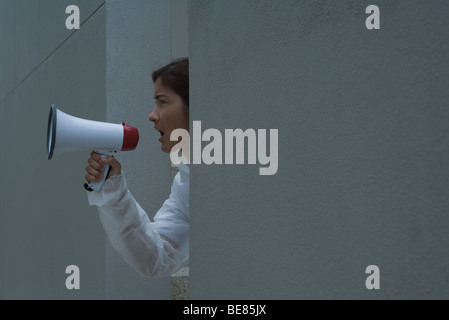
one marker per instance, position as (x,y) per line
(153,115)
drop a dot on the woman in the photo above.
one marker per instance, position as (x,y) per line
(159,248)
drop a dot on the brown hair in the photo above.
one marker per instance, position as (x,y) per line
(175,75)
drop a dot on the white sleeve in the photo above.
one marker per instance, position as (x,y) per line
(154,249)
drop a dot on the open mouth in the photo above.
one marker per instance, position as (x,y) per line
(161,133)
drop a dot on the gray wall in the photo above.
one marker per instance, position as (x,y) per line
(46,223)
(137,41)
(363,145)
(100,72)
(363,150)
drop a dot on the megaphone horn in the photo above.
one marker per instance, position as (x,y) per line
(66,133)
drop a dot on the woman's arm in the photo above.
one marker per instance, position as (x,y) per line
(154,249)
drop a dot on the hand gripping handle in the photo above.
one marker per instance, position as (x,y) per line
(96,186)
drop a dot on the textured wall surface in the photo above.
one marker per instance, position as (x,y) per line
(363,173)
(137,42)
(100,72)
(45,222)
(31,31)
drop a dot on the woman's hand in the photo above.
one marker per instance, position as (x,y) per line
(95,170)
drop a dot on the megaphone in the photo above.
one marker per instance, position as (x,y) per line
(66,133)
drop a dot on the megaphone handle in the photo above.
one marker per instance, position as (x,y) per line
(96,186)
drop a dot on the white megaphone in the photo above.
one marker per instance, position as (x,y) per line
(66,133)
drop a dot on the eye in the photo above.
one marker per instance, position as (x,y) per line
(161,103)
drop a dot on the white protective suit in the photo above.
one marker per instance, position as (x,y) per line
(154,249)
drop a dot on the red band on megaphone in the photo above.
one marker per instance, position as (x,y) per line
(130,137)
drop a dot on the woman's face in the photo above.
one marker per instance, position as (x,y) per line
(169,114)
